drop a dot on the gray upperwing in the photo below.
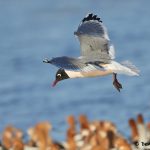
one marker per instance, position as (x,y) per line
(94,47)
(69,63)
(93,37)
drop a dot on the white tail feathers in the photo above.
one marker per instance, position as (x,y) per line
(129,64)
(124,68)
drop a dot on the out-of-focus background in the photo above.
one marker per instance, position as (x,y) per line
(33,30)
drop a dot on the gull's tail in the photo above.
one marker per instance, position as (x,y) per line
(125,67)
(132,67)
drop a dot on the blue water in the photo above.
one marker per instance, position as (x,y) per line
(33,30)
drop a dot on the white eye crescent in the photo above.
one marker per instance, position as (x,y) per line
(59,75)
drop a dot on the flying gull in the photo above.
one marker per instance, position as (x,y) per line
(97,55)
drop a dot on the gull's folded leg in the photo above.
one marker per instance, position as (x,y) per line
(116,83)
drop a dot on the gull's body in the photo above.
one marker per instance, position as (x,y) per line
(94,73)
(97,55)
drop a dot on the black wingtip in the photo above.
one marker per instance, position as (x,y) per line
(46,61)
(91,17)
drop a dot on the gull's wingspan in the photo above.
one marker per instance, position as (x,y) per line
(94,40)
(75,64)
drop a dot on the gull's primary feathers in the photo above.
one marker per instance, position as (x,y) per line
(97,54)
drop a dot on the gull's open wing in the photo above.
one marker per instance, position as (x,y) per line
(94,40)
(75,64)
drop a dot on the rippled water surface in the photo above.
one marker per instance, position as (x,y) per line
(33,30)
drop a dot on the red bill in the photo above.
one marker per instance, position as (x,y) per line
(54,83)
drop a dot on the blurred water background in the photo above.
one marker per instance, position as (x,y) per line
(31,30)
